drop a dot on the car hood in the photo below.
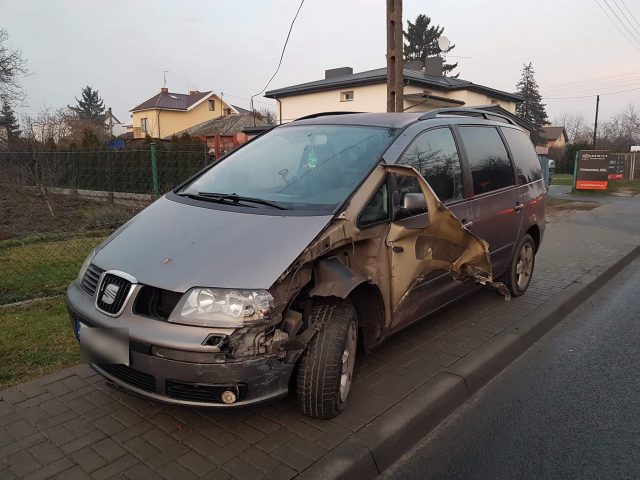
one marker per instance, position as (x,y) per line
(176,246)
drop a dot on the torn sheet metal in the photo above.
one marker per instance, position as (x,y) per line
(443,244)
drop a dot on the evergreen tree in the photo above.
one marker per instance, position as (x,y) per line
(531,109)
(90,106)
(422,41)
(8,116)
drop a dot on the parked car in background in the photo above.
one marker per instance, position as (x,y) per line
(548,165)
(316,237)
(552,170)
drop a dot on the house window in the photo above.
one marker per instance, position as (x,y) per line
(143,125)
(346,96)
(227,111)
(212,105)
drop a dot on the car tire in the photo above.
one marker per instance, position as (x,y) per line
(326,369)
(518,277)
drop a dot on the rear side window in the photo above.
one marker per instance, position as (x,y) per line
(435,156)
(488,159)
(524,156)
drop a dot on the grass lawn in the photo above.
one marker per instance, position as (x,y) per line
(35,339)
(563,179)
(38,266)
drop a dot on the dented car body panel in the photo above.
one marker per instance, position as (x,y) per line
(396,256)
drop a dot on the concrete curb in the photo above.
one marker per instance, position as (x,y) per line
(378,445)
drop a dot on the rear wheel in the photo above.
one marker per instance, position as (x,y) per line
(518,276)
(326,371)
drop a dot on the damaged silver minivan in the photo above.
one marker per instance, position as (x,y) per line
(268,270)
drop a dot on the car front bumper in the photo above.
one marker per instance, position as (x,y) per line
(252,379)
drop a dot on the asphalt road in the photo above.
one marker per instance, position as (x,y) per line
(568,408)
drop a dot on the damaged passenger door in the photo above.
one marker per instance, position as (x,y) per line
(425,236)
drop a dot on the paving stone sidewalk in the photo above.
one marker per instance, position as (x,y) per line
(71,425)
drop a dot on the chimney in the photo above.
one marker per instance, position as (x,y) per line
(164,90)
(193,92)
(433,66)
(415,65)
(337,72)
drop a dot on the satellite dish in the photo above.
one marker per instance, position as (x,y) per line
(443,43)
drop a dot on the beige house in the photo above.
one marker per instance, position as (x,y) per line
(167,113)
(554,137)
(342,91)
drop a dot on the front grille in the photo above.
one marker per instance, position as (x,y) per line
(155,302)
(90,280)
(200,392)
(112,293)
(128,375)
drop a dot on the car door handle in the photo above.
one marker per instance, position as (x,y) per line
(518,207)
(466,223)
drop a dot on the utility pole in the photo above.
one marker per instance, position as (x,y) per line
(110,123)
(595,125)
(395,98)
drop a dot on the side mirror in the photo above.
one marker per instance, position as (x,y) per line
(413,204)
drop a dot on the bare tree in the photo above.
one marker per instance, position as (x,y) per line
(265,114)
(12,66)
(48,127)
(574,124)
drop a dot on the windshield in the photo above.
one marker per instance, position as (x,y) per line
(302,167)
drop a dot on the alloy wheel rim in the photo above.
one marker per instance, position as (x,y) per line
(524,267)
(348,361)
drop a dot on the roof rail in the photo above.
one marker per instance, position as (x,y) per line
(323,114)
(469,112)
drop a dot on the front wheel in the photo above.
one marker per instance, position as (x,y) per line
(326,368)
(518,276)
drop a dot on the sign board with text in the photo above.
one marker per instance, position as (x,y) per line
(616,166)
(592,172)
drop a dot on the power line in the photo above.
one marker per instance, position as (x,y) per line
(281,55)
(633,30)
(591,96)
(630,13)
(594,81)
(595,87)
(632,73)
(633,39)
(616,25)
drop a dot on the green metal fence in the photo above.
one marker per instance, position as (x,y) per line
(131,171)
(55,207)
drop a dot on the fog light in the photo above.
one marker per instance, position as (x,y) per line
(228,397)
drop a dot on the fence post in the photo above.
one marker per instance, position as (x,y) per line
(154,170)
(575,170)
(110,175)
(206,153)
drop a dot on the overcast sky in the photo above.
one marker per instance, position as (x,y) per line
(232,46)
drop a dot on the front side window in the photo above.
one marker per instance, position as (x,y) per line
(435,156)
(377,210)
(488,160)
(524,156)
(302,167)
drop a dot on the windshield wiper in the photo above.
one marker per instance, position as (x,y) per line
(208,198)
(235,198)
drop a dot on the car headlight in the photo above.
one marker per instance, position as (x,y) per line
(217,307)
(85,265)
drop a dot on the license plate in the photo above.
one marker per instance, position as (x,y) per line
(110,345)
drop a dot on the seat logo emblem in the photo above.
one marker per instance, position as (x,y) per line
(110,293)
